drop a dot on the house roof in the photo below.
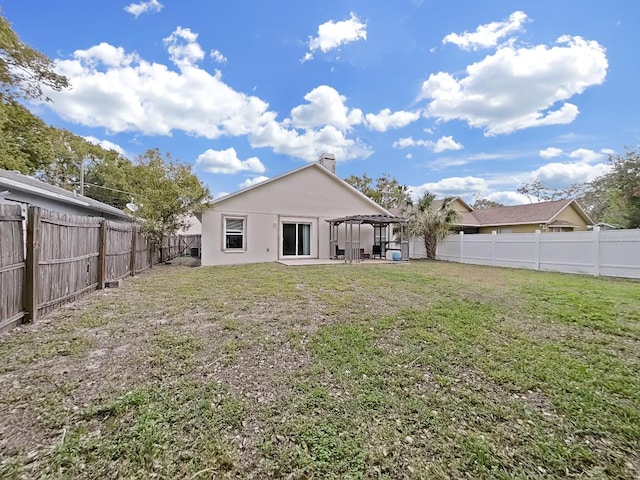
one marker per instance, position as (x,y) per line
(12,180)
(316,165)
(543,212)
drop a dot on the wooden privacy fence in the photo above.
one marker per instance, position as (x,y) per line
(190,244)
(12,266)
(66,257)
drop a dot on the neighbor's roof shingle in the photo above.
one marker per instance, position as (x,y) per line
(542,212)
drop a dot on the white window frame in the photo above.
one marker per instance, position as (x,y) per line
(243,233)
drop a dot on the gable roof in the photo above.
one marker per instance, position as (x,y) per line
(16,181)
(543,212)
(315,165)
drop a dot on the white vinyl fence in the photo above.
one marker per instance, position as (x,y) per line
(612,253)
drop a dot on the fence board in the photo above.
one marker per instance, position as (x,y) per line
(118,250)
(68,265)
(143,253)
(187,242)
(67,256)
(614,253)
(12,266)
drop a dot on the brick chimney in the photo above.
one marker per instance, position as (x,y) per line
(328,161)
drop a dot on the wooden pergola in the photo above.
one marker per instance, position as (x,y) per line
(352,235)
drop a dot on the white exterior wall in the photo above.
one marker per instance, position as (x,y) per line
(308,195)
(614,253)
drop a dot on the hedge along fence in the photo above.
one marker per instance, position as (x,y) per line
(67,256)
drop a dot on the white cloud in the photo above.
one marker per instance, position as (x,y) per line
(227,161)
(218,56)
(310,144)
(587,156)
(385,119)
(487,35)
(453,186)
(441,145)
(560,175)
(490,96)
(183,47)
(326,107)
(136,9)
(122,92)
(408,142)
(507,198)
(219,195)
(550,152)
(106,144)
(253,181)
(446,143)
(332,35)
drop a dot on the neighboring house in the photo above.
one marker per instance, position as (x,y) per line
(192,226)
(16,188)
(556,216)
(285,217)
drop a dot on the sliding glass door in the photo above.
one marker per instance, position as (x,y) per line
(296,239)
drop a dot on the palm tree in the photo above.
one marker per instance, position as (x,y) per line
(432,220)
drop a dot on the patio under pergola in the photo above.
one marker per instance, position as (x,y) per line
(352,224)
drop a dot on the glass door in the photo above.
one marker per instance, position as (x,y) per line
(296,239)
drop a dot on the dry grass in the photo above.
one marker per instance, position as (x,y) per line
(421,370)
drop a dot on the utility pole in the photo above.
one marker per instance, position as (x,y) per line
(82,177)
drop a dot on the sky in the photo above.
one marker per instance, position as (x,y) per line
(468,98)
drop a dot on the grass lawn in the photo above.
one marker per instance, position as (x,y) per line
(421,370)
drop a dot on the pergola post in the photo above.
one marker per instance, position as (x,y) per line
(352,250)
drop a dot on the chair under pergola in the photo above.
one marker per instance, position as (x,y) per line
(352,225)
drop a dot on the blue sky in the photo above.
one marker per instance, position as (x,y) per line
(461,98)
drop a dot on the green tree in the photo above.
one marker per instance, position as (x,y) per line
(387,192)
(615,196)
(25,143)
(24,71)
(432,220)
(539,192)
(483,204)
(108,179)
(165,191)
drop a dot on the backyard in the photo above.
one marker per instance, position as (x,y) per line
(412,370)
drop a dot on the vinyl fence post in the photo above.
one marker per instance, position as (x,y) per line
(461,235)
(493,247)
(30,293)
(596,250)
(536,253)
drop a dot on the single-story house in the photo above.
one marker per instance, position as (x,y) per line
(16,188)
(307,213)
(554,216)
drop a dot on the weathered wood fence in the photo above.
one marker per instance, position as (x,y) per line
(190,244)
(66,257)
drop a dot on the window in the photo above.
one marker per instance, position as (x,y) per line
(234,233)
(296,239)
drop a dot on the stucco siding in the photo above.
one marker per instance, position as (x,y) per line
(511,229)
(569,214)
(308,196)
